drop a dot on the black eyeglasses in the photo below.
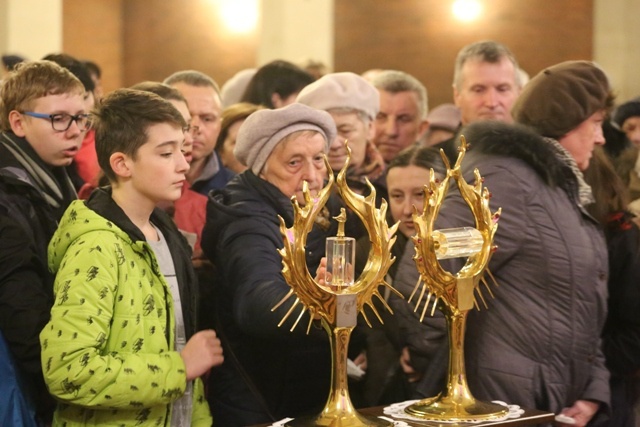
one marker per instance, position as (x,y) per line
(62,121)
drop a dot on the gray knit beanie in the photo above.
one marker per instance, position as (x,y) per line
(264,129)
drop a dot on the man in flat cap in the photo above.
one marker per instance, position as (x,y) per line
(444,121)
(538,344)
(353,104)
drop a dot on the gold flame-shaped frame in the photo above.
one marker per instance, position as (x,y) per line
(322,301)
(454,294)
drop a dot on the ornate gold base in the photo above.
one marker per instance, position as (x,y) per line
(444,408)
(338,420)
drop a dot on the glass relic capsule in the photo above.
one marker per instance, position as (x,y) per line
(457,242)
(340,252)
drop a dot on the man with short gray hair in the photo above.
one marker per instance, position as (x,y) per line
(402,120)
(486,84)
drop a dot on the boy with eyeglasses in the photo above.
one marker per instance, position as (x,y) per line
(43,120)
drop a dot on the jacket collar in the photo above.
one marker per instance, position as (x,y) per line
(103,204)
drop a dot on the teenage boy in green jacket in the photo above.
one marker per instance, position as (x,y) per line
(121,347)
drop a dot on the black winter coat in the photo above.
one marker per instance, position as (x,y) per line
(621,334)
(27,223)
(288,371)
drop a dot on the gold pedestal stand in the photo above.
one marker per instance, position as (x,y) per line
(337,307)
(454,294)
(339,411)
(456,403)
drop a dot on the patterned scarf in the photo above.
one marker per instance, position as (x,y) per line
(58,191)
(585,196)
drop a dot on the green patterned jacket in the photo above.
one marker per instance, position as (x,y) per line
(105,352)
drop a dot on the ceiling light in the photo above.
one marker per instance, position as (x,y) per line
(467,10)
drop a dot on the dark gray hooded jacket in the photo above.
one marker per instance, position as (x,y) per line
(538,344)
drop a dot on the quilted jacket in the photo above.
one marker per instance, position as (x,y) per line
(107,352)
(538,344)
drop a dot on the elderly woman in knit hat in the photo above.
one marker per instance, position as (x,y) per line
(353,104)
(269,373)
(538,345)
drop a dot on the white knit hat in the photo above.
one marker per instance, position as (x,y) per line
(341,90)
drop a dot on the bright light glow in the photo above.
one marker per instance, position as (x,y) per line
(467,10)
(239,16)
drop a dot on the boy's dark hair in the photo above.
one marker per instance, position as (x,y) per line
(164,91)
(281,77)
(76,67)
(121,122)
(93,68)
(31,80)
(10,61)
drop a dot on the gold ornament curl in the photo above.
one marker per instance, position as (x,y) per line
(454,294)
(328,303)
(456,290)
(313,296)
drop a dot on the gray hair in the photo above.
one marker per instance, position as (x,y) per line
(192,78)
(484,51)
(362,116)
(397,81)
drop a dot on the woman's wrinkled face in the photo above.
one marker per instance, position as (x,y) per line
(297,158)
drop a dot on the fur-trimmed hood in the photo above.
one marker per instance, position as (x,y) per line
(521,142)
